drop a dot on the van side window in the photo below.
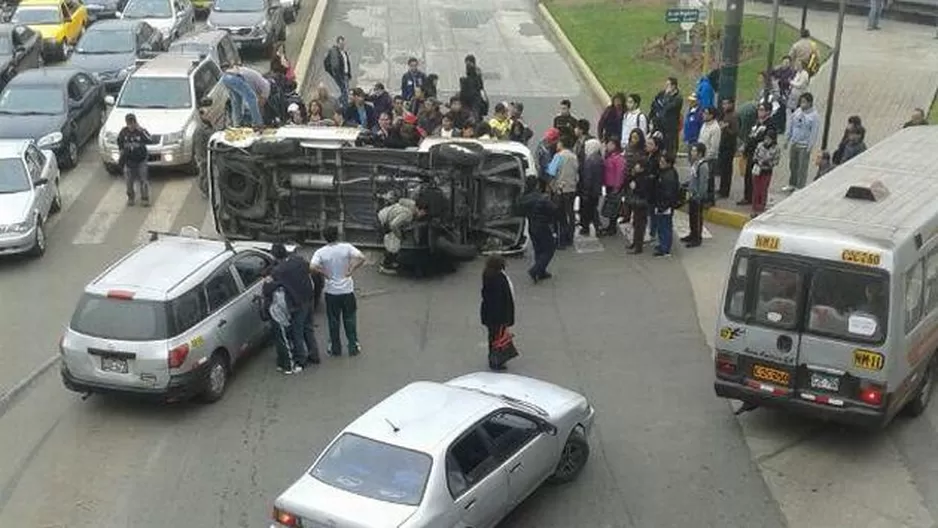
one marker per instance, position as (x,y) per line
(188,310)
(250,267)
(931,282)
(220,289)
(777,294)
(736,289)
(914,286)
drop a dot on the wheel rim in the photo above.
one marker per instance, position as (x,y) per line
(64,48)
(40,238)
(925,395)
(216,378)
(72,151)
(58,197)
(570,459)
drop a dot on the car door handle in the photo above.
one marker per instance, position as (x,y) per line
(222,323)
(470,504)
(514,468)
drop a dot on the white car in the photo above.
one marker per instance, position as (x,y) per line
(172,18)
(29,193)
(458,454)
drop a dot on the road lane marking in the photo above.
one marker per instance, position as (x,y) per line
(104,216)
(165,208)
(71,186)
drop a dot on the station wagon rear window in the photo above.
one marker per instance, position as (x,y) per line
(374,469)
(119,319)
(842,301)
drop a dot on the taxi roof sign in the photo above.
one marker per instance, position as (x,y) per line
(874,191)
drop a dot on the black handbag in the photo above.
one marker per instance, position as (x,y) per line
(611,205)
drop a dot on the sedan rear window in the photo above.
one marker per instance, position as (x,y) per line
(120,319)
(375,470)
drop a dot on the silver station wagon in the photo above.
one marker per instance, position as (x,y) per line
(460,454)
(169,320)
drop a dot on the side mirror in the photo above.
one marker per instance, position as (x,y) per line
(109,100)
(206,102)
(39,182)
(549,428)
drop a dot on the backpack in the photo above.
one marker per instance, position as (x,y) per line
(814,61)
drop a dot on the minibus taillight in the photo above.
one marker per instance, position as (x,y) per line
(177,356)
(726,363)
(871,393)
(284,518)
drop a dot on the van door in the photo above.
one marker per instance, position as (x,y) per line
(762,311)
(221,294)
(250,268)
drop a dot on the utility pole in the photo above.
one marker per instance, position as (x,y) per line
(804,15)
(835,64)
(730,59)
(770,61)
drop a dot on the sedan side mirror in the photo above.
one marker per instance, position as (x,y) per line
(109,100)
(549,428)
(206,102)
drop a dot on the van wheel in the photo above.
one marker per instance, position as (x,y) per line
(922,397)
(573,458)
(216,380)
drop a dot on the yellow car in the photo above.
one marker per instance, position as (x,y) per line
(60,22)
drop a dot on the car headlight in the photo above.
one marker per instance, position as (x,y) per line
(22,227)
(125,72)
(49,139)
(172,138)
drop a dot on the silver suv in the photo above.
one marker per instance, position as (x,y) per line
(169,320)
(166,94)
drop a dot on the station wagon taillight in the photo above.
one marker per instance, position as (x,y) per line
(123,295)
(725,363)
(871,393)
(177,356)
(285,518)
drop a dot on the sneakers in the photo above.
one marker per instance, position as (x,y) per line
(295,370)
(659,253)
(354,350)
(130,202)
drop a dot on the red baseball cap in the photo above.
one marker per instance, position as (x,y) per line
(552,134)
(410,118)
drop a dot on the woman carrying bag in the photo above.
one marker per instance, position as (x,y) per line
(498,312)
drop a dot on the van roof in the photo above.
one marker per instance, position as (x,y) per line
(905,164)
(155,269)
(169,65)
(202,37)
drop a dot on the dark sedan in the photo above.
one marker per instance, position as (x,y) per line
(61,108)
(20,49)
(111,49)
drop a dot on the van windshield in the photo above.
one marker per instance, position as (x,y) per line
(119,319)
(841,301)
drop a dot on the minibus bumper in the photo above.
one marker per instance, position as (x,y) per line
(855,416)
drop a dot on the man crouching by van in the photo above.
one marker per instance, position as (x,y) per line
(393,218)
(275,309)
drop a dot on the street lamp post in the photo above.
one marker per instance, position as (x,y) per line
(770,62)
(730,58)
(835,64)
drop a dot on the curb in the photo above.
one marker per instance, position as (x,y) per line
(714,215)
(9,397)
(304,59)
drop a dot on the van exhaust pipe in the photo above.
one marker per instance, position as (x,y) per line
(746,407)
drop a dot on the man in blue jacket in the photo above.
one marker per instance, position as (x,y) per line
(412,79)
(692,121)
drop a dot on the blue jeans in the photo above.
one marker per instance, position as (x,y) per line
(876,11)
(664,225)
(652,223)
(304,341)
(241,94)
(342,83)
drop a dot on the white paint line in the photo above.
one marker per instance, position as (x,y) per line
(165,208)
(70,186)
(104,216)
(305,57)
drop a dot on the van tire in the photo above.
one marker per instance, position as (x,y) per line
(216,378)
(923,394)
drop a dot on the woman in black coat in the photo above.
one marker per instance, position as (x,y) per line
(498,306)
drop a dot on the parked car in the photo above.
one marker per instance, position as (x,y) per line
(171,335)
(217,44)
(458,454)
(20,49)
(166,94)
(60,22)
(254,24)
(29,194)
(111,50)
(172,18)
(61,108)
(104,9)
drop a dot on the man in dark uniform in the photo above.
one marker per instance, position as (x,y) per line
(292,271)
(542,214)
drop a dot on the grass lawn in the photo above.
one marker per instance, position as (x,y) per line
(610,35)
(933,113)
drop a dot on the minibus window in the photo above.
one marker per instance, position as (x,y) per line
(777,297)
(736,289)
(849,305)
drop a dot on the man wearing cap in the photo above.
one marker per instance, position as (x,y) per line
(544,152)
(292,272)
(296,114)
(132,141)
(360,113)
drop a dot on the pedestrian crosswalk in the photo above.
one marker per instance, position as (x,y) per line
(166,207)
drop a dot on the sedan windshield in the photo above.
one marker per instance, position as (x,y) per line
(106,41)
(13,177)
(374,469)
(32,100)
(239,5)
(38,16)
(156,92)
(148,9)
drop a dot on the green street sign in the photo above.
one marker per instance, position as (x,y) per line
(682,15)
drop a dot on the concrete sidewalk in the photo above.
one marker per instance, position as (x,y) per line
(884,75)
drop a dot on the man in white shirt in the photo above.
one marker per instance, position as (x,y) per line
(633,118)
(336,262)
(710,135)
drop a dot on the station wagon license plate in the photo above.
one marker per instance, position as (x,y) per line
(772,375)
(111,364)
(825,382)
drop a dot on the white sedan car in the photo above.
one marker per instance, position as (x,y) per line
(460,454)
(29,193)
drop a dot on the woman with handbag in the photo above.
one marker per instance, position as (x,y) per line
(498,312)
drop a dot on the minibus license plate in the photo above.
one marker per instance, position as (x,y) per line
(110,364)
(825,382)
(779,377)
